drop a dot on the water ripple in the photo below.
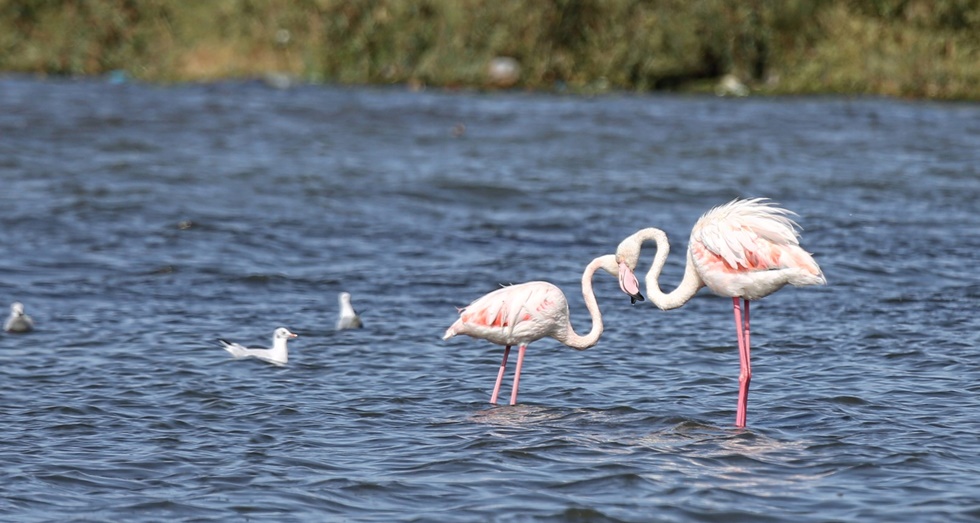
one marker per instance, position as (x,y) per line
(143,223)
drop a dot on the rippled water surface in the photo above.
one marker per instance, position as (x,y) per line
(141,223)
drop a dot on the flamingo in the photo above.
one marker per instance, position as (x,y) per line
(745,250)
(523,313)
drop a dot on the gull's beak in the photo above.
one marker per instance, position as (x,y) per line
(628,283)
(291,335)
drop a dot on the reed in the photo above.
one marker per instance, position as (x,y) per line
(909,48)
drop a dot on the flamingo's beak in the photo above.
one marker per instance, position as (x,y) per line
(628,283)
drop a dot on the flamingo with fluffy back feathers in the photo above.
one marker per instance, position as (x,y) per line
(523,313)
(745,250)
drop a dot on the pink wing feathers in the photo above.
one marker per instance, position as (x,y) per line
(750,248)
(513,314)
(750,235)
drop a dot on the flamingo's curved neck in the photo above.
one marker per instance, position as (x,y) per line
(689,285)
(573,339)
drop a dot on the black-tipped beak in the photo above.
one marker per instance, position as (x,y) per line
(628,283)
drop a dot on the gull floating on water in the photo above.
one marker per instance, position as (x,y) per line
(18,321)
(348,319)
(277,355)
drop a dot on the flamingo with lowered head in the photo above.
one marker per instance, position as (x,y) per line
(745,250)
(523,313)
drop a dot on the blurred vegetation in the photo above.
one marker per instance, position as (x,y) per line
(909,48)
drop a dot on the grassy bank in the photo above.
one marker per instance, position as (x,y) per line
(910,48)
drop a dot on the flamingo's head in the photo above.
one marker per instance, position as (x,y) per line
(614,265)
(628,283)
(627,256)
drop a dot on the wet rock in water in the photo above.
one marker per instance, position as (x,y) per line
(730,85)
(503,71)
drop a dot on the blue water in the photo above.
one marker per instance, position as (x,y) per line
(140,223)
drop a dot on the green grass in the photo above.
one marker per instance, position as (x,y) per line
(908,48)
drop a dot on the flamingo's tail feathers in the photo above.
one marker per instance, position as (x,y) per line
(456,328)
(453,330)
(810,271)
(818,279)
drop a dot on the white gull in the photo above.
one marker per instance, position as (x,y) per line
(277,355)
(348,319)
(18,322)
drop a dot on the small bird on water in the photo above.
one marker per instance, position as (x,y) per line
(348,318)
(277,355)
(18,322)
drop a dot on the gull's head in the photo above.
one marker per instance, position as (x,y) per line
(17,308)
(344,297)
(282,333)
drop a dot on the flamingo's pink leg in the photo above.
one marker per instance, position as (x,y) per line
(745,365)
(500,376)
(737,302)
(517,373)
(748,345)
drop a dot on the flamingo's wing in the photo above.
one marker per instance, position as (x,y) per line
(505,307)
(510,313)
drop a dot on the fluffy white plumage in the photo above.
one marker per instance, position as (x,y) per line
(750,249)
(745,248)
